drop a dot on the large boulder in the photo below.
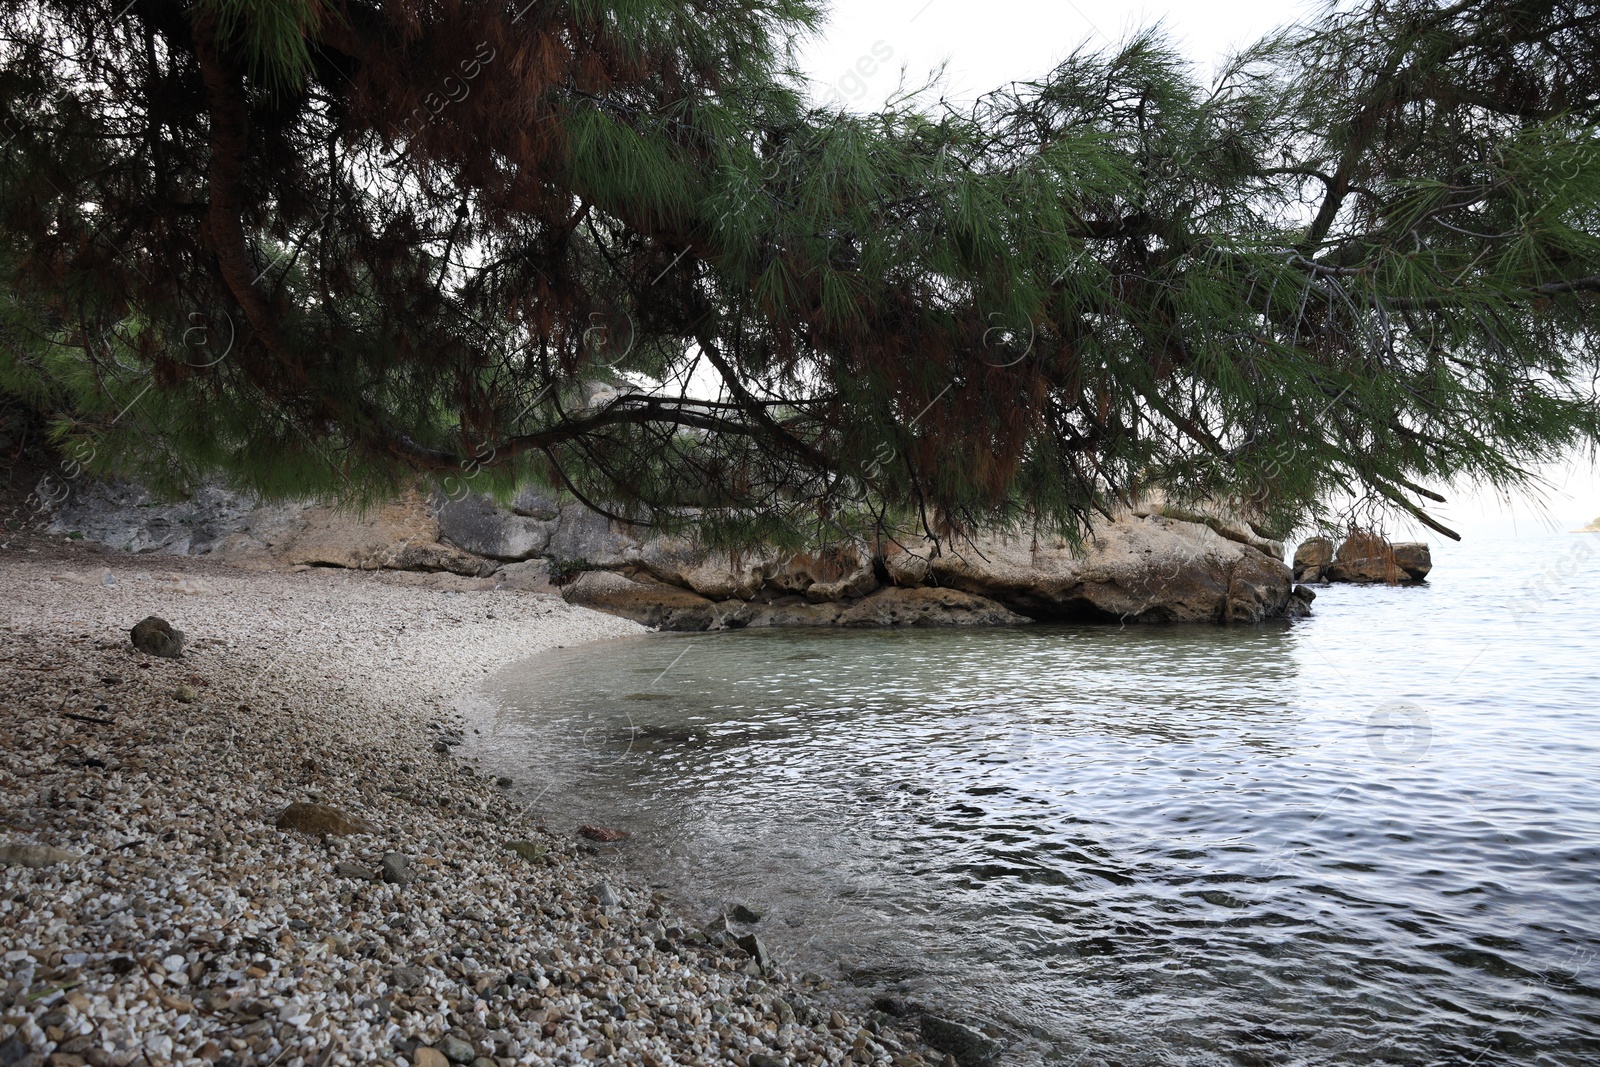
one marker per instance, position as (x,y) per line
(1367,558)
(1312,559)
(478,524)
(582,535)
(401,535)
(653,604)
(1150,569)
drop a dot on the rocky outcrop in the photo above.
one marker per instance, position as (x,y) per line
(1593,527)
(1362,558)
(1153,563)
(402,536)
(1134,569)
(671,607)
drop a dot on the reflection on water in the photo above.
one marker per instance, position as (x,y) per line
(1371,837)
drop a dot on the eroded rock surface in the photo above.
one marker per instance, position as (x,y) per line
(1362,558)
(1155,563)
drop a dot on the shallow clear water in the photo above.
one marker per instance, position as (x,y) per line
(1368,837)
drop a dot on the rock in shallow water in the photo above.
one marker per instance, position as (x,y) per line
(602,833)
(742,913)
(971,1047)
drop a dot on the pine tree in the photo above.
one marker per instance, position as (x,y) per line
(331,247)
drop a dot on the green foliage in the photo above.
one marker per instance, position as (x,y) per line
(327,248)
(565,571)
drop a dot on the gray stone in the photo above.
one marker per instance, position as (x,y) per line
(356,871)
(970,1046)
(605,894)
(530,576)
(456,1050)
(407,977)
(156,637)
(12,1050)
(743,913)
(581,534)
(397,869)
(127,517)
(758,951)
(35,856)
(478,524)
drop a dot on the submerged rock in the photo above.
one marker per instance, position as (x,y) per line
(970,1046)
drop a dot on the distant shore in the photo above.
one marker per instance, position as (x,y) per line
(184,926)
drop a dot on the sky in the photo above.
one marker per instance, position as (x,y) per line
(859,55)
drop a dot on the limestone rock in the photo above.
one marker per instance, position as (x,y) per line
(478,524)
(581,534)
(1312,558)
(310,818)
(401,535)
(904,566)
(530,576)
(155,636)
(1225,520)
(926,606)
(664,606)
(1150,569)
(1367,558)
(715,575)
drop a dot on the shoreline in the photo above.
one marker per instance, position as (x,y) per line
(193,930)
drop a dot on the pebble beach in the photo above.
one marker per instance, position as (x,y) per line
(267,851)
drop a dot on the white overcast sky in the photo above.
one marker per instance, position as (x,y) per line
(986,43)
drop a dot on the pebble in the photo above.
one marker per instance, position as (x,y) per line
(397,869)
(180,925)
